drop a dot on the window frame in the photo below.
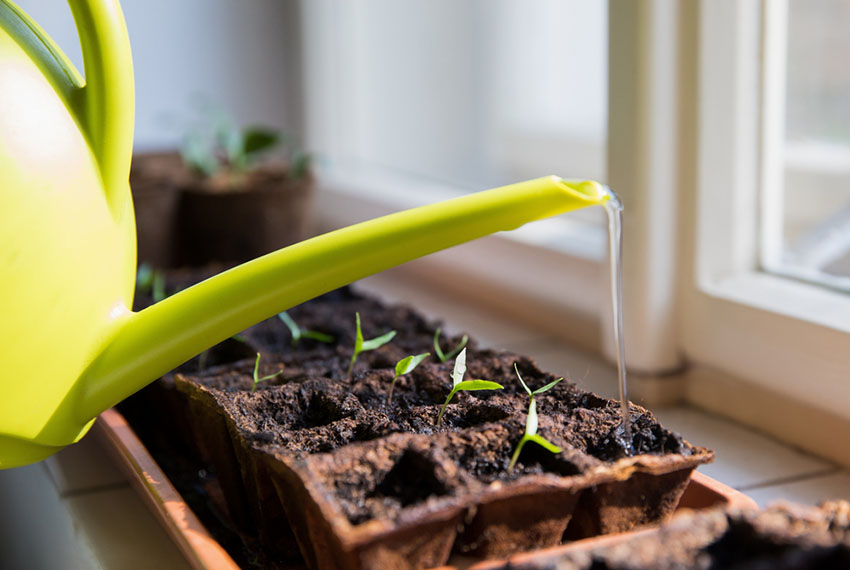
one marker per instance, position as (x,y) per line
(766,329)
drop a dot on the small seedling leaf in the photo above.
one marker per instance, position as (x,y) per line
(318,336)
(473,385)
(542,442)
(459,369)
(527,389)
(294,329)
(405,366)
(358,335)
(547,387)
(409,363)
(158,287)
(257,379)
(452,353)
(258,140)
(531,422)
(361,345)
(376,342)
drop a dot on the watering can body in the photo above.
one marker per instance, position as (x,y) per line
(70,346)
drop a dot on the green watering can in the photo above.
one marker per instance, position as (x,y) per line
(70,347)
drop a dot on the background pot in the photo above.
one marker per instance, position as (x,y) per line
(185,220)
(155,179)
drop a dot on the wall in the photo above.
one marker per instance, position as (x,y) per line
(240,56)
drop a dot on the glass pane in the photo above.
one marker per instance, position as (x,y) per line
(479,93)
(815,226)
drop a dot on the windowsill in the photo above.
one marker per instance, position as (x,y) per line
(80,504)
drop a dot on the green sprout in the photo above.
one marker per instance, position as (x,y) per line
(257,379)
(298,333)
(219,146)
(458,383)
(452,353)
(361,345)
(531,435)
(405,366)
(531,394)
(151,281)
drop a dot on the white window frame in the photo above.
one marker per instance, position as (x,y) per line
(785,336)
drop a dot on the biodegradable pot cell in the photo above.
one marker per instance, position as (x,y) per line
(241,217)
(363,482)
(155,181)
(185,220)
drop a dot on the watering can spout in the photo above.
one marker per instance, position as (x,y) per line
(163,336)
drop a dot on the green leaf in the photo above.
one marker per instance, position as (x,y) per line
(473,385)
(360,345)
(409,363)
(547,387)
(454,352)
(264,378)
(548,446)
(294,329)
(377,342)
(258,139)
(404,366)
(458,348)
(144,277)
(158,287)
(531,422)
(459,368)
(256,371)
(521,381)
(358,335)
(199,154)
(319,336)
(437,350)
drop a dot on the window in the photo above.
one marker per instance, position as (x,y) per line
(741,314)
(807,201)
(725,153)
(437,95)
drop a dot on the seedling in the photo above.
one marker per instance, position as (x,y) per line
(405,366)
(152,281)
(453,352)
(298,333)
(220,147)
(257,379)
(361,345)
(459,384)
(531,435)
(531,394)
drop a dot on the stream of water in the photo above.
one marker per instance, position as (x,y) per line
(614,209)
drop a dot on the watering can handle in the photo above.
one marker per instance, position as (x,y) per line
(103,103)
(107,99)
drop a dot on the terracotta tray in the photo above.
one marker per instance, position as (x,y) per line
(204,553)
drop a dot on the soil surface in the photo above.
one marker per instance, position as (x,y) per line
(379,459)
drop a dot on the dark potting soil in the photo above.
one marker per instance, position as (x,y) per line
(313,407)
(380,458)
